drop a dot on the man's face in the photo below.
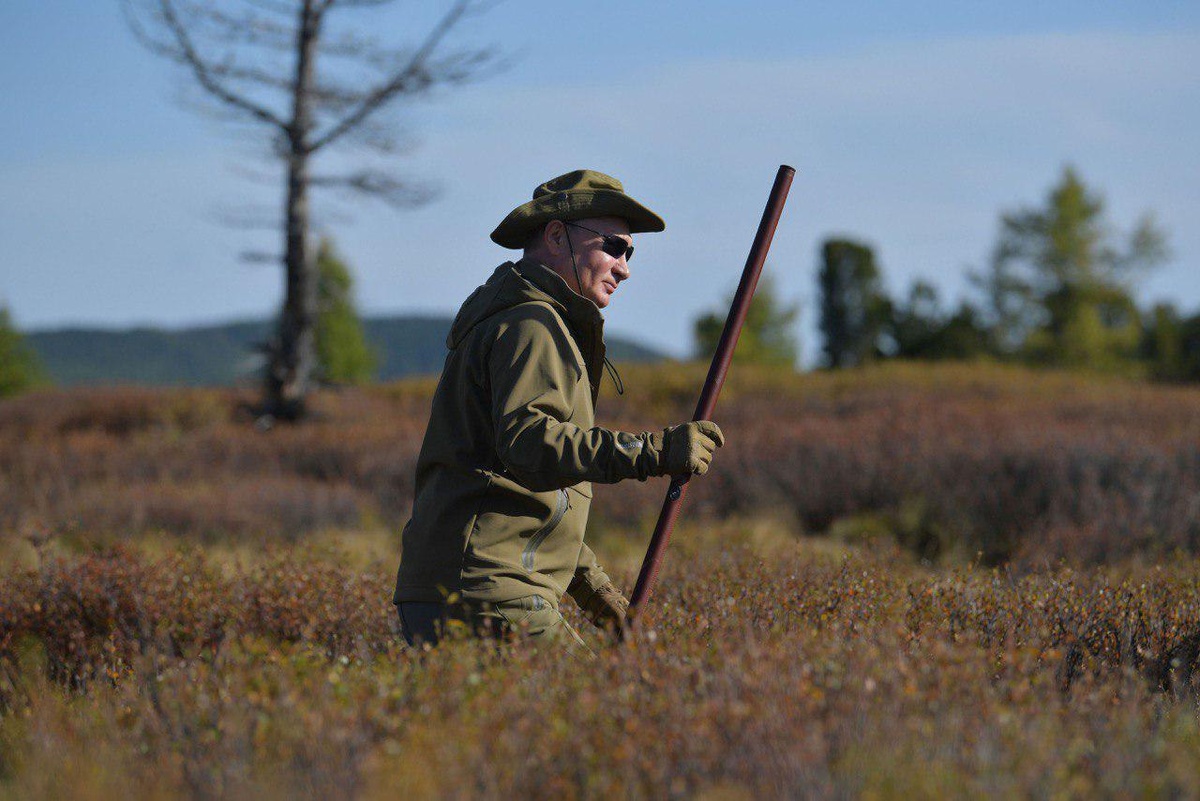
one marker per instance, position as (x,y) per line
(599,273)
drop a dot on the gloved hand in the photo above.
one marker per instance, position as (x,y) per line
(606,608)
(688,448)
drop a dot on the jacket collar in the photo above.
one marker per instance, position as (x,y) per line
(578,308)
(581,315)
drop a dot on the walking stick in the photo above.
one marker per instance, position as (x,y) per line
(713,384)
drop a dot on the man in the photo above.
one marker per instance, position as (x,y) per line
(503,481)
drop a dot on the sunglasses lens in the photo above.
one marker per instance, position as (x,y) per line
(616,247)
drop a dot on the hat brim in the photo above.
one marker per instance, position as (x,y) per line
(574,204)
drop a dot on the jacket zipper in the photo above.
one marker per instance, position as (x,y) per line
(540,535)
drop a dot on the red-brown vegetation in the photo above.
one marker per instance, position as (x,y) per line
(961,462)
(770,669)
(174,620)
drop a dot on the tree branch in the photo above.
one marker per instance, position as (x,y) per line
(260,257)
(380,137)
(204,72)
(329,97)
(145,38)
(249,27)
(274,7)
(357,48)
(379,185)
(353,3)
(413,76)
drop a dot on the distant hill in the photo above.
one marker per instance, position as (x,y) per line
(225,354)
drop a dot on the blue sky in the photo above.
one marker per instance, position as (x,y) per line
(910,128)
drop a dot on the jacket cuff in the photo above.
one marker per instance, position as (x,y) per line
(585,584)
(659,449)
(651,461)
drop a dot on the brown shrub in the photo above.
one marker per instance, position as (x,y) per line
(118,462)
(803,676)
(957,462)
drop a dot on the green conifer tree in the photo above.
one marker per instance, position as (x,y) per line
(768,334)
(1162,343)
(19,366)
(343,355)
(921,330)
(854,308)
(1061,289)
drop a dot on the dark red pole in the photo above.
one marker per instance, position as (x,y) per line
(714,382)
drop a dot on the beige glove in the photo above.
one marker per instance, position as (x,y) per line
(606,608)
(689,447)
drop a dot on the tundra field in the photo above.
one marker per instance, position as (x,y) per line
(908,581)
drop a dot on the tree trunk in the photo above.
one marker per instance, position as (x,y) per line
(293,353)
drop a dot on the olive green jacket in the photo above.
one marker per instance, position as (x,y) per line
(503,480)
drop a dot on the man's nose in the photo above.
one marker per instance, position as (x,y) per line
(621,268)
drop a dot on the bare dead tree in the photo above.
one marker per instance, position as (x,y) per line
(283,67)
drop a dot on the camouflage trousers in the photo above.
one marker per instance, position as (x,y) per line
(531,616)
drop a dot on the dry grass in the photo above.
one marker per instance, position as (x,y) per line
(958,463)
(768,667)
(194,609)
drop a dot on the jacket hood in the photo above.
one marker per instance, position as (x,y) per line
(525,281)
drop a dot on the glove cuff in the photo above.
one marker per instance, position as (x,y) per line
(605,604)
(654,455)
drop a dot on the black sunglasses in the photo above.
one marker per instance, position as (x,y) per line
(613,245)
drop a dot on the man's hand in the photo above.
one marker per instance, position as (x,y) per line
(606,609)
(689,447)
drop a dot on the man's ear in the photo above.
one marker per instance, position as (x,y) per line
(554,238)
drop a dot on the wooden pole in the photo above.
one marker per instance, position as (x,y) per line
(713,383)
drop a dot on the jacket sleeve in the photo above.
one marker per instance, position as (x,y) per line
(533,374)
(589,577)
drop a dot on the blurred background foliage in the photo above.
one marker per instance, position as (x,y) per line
(1059,291)
(20,368)
(768,334)
(343,353)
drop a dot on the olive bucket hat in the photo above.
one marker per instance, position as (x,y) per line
(574,196)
